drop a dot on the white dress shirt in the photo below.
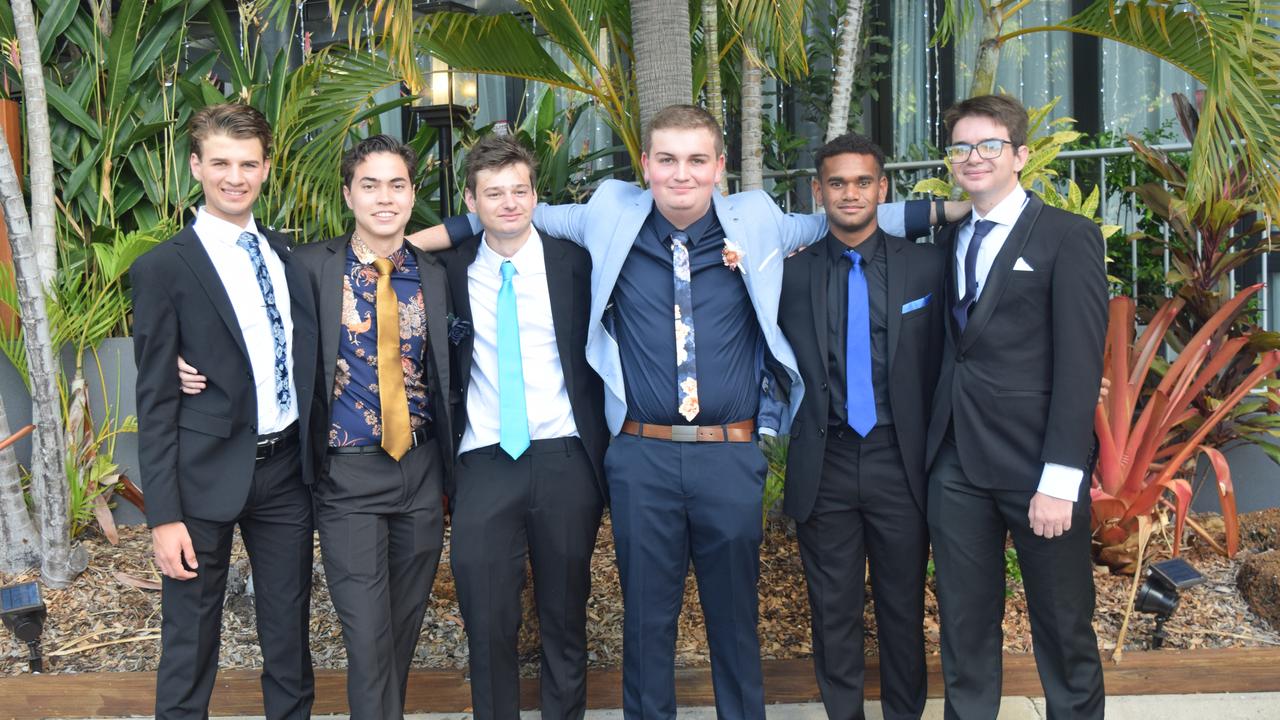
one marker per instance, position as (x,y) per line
(235,269)
(546,397)
(1059,481)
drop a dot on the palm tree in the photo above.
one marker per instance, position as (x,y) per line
(1230,46)
(34,258)
(664,68)
(846,64)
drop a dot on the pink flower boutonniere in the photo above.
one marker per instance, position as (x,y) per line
(732,255)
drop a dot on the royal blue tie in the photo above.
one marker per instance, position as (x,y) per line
(961,309)
(513,434)
(860,399)
(284,396)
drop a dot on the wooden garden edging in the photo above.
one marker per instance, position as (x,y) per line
(238,692)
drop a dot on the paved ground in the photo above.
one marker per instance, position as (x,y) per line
(1244,706)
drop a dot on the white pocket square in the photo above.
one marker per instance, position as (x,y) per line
(1022,266)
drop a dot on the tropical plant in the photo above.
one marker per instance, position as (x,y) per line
(775,454)
(92,473)
(663,69)
(1230,46)
(1149,437)
(1208,240)
(565,172)
(33,240)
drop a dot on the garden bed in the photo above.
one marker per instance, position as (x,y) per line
(104,623)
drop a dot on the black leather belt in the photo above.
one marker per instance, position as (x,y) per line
(420,436)
(272,443)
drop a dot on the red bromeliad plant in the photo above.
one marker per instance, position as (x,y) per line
(1148,439)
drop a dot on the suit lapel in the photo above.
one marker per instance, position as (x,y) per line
(331,293)
(194,254)
(896,273)
(947,242)
(435,303)
(459,285)
(560,286)
(819,268)
(998,276)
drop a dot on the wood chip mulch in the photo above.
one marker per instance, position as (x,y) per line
(106,622)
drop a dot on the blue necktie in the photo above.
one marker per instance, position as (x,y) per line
(860,399)
(512,419)
(686,355)
(249,242)
(961,309)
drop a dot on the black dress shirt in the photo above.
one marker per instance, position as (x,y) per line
(727,335)
(876,268)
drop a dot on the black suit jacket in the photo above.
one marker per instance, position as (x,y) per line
(915,344)
(197,452)
(325,264)
(1020,384)
(569,283)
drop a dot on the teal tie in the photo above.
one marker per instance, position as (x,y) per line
(514,422)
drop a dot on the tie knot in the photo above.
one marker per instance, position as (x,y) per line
(854,257)
(679,237)
(508,270)
(383,265)
(247,240)
(982,227)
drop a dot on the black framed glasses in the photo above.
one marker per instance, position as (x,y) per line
(988,149)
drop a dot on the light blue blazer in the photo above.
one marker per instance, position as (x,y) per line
(607,226)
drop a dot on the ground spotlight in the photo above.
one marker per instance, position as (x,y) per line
(23,613)
(1159,594)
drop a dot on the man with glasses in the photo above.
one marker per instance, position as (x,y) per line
(1011,435)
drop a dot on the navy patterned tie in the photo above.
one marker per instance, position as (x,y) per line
(249,242)
(961,309)
(686,357)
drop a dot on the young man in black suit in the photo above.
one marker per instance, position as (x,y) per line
(529,478)
(1011,433)
(229,296)
(861,312)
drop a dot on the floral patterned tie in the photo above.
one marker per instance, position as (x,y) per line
(686,358)
(249,242)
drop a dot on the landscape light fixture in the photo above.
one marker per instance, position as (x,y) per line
(23,613)
(1159,593)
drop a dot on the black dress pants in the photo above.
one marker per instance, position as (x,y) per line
(969,525)
(543,507)
(381,529)
(865,512)
(276,527)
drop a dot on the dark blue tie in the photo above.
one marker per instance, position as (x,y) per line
(860,400)
(249,242)
(961,309)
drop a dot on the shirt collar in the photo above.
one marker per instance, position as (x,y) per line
(663,228)
(1006,211)
(868,248)
(528,259)
(213,228)
(365,256)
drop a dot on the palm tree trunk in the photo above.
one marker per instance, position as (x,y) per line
(752,130)
(19,539)
(35,262)
(846,65)
(987,61)
(711,51)
(664,68)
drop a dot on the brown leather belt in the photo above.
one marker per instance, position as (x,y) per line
(741,431)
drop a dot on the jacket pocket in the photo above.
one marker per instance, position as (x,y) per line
(189,419)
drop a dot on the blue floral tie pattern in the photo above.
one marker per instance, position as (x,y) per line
(249,242)
(686,357)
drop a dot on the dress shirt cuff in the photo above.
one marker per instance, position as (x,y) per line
(1061,481)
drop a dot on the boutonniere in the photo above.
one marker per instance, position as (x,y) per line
(458,329)
(732,256)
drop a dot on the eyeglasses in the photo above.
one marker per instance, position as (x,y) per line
(988,149)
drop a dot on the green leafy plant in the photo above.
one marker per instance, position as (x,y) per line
(1149,437)
(92,474)
(775,454)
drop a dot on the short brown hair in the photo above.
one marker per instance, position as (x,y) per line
(493,152)
(231,119)
(1003,109)
(377,144)
(684,117)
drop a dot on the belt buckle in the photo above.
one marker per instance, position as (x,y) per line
(684,433)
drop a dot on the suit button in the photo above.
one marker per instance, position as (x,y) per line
(959,358)
(824,386)
(822,431)
(253,429)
